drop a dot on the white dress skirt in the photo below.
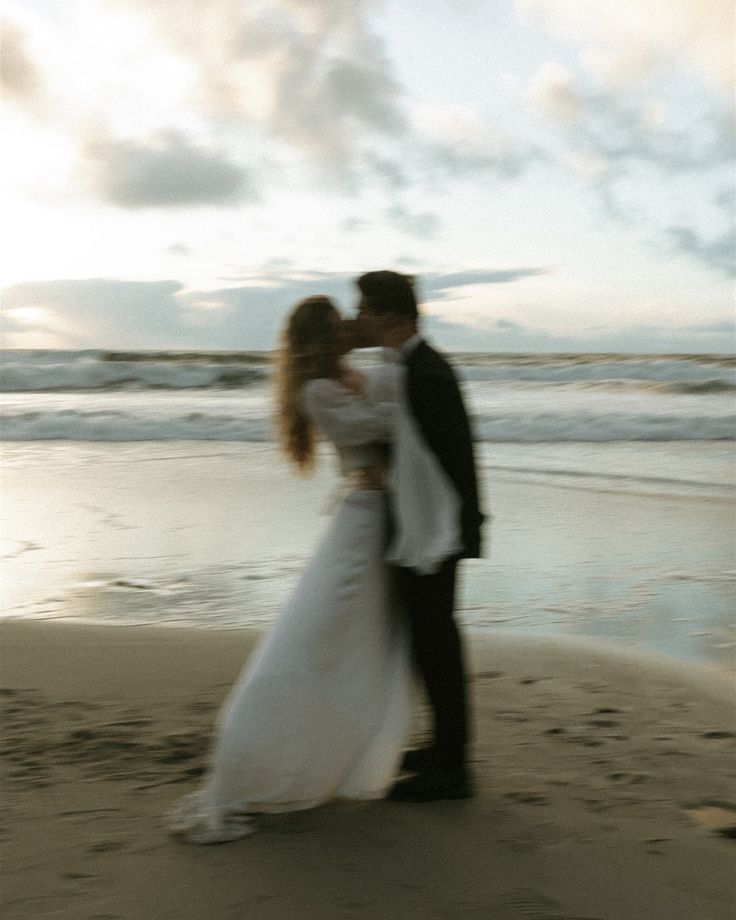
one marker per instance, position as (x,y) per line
(322,708)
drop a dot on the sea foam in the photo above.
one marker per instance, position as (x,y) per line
(229,396)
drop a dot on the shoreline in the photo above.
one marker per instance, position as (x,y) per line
(598,770)
(232,645)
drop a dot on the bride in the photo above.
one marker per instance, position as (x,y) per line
(322,708)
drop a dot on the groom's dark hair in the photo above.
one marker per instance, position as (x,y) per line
(389,292)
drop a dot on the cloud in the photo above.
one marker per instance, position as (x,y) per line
(505,159)
(553,91)
(317,80)
(391,173)
(728,326)
(252,313)
(98,313)
(608,110)
(436,284)
(164,171)
(18,75)
(452,141)
(630,40)
(422,224)
(305,88)
(614,129)
(508,337)
(717,252)
(327,107)
(104,313)
(313,73)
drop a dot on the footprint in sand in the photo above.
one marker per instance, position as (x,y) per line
(106,846)
(628,779)
(41,735)
(527,797)
(533,905)
(184,746)
(511,715)
(716,816)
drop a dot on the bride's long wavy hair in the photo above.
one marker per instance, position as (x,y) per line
(308,350)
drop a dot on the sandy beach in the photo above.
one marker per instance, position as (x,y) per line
(598,773)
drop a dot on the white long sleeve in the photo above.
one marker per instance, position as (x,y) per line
(345,417)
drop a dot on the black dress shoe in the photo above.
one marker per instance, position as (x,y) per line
(433,784)
(419,759)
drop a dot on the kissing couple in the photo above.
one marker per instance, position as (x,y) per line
(322,709)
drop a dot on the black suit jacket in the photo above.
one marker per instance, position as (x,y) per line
(437,404)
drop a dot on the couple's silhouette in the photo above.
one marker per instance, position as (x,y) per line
(322,709)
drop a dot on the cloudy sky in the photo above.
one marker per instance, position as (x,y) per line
(557,173)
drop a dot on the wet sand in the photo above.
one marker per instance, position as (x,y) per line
(605,779)
(215,535)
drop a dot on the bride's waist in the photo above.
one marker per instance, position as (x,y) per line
(365,478)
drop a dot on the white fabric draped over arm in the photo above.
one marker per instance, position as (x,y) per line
(425,505)
(347,418)
(424,501)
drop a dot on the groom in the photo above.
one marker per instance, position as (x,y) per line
(387,315)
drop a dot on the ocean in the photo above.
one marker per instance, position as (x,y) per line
(133,396)
(615,421)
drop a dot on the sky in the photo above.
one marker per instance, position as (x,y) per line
(558,175)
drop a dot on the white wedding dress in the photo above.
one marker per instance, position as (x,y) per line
(322,708)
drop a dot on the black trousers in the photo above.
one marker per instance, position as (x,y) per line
(428,601)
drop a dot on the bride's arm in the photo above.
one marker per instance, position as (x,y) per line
(346,417)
